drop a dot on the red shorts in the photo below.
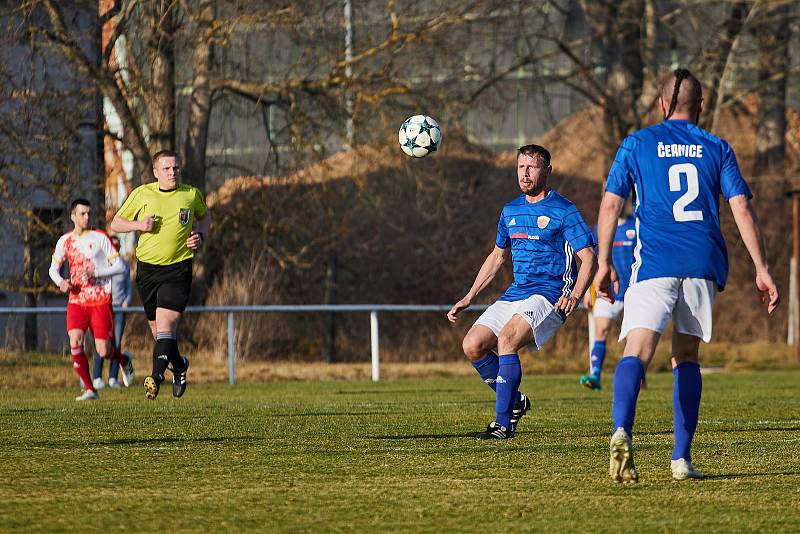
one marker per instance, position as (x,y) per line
(99,318)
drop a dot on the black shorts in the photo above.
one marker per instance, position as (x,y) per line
(164,286)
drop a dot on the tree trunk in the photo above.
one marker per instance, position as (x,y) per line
(161,104)
(330,298)
(618,23)
(716,58)
(110,84)
(194,152)
(772,38)
(31,329)
(651,86)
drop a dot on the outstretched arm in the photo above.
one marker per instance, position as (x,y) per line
(750,230)
(606,276)
(491,266)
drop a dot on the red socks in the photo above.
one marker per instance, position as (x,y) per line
(118,357)
(81,365)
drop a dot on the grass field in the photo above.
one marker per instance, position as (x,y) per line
(393,456)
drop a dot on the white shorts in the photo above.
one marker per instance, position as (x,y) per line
(536,310)
(603,308)
(688,301)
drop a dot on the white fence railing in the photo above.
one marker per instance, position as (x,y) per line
(373,309)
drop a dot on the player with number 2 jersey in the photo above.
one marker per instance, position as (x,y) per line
(677,171)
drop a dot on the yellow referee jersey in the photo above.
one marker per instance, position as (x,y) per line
(174,214)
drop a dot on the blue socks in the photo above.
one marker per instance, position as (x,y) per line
(686,407)
(686,396)
(627,381)
(487,367)
(509,376)
(597,357)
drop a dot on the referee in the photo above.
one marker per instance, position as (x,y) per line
(165,214)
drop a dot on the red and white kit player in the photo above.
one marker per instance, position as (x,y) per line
(92,261)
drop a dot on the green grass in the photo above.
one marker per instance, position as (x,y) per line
(393,456)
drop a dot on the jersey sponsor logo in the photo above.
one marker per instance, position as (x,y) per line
(512,222)
(630,233)
(677,151)
(183,217)
(523,235)
(542,221)
(623,243)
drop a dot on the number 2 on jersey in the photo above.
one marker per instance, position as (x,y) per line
(679,210)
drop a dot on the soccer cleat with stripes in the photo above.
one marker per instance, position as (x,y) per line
(88,395)
(621,467)
(179,380)
(127,370)
(521,407)
(591,382)
(151,387)
(495,431)
(683,469)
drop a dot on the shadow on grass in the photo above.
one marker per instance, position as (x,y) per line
(327,414)
(145,441)
(725,476)
(759,429)
(12,411)
(471,435)
(382,391)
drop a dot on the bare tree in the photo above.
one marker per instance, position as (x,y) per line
(194,150)
(772,37)
(48,146)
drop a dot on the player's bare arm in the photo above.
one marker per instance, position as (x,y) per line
(121,225)
(750,230)
(586,271)
(491,266)
(606,276)
(587,298)
(198,236)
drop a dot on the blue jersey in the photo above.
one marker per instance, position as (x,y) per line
(622,254)
(678,171)
(543,237)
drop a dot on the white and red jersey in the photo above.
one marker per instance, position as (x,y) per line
(92,252)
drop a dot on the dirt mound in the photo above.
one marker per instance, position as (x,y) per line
(374,226)
(577,148)
(347,165)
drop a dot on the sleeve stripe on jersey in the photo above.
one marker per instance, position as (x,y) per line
(637,254)
(568,268)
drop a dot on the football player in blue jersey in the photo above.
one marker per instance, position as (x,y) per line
(677,172)
(542,232)
(603,311)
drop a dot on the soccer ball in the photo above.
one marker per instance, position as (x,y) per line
(419,136)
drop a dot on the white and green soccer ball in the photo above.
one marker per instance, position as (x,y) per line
(419,136)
